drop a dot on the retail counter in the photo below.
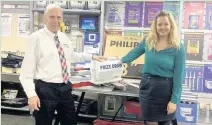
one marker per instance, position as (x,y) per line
(100,90)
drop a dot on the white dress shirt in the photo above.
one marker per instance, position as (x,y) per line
(41,60)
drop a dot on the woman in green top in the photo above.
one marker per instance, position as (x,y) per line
(163,71)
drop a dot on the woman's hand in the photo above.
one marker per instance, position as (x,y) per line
(118,58)
(171,108)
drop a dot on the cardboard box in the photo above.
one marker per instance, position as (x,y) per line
(187,113)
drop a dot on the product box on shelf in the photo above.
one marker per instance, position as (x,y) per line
(207,86)
(77,4)
(187,112)
(207,50)
(62,4)
(93,5)
(91,43)
(11,63)
(110,105)
(194,77)
(129,111)
(43,4)
(13,95)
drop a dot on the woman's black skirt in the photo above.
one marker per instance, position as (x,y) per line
(155,93)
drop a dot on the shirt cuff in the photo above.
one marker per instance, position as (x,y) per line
(88,56)
(174,99)
(122,60)
(31,93)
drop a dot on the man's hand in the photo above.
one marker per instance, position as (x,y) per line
(171,108)
(99,58)
(34,103)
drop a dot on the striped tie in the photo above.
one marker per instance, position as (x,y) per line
(62,60)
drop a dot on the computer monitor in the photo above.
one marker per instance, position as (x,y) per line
(89,23)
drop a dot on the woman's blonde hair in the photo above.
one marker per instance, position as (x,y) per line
(153,36)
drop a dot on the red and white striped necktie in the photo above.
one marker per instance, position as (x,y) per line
(65,73)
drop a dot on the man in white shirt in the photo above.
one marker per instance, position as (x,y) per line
(46,70)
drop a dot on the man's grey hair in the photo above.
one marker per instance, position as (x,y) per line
(51,6)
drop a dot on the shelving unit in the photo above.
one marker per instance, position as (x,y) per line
(7,77)
(187,94)
(14,78)
(72,11)
(80,12)
(14,10)
(127,28)
(10,77)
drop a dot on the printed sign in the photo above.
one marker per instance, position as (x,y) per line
(194,77)
(92,43)
(133,14)
(207,50)
(193,17)
(207,87)
(173,7)
(120,46)
(194,46)
(208,16)
(115,14)
(151,10)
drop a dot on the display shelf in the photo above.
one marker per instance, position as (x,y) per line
(10,77)
(198,62)
(146,29)
(122,28)
(137,81)
(121,93)
(15,10)
(127,28)
(205,95)
(195,31)
(87,116)
(72,11)
(26,108)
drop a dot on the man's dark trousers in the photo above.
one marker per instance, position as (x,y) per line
(55,96)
